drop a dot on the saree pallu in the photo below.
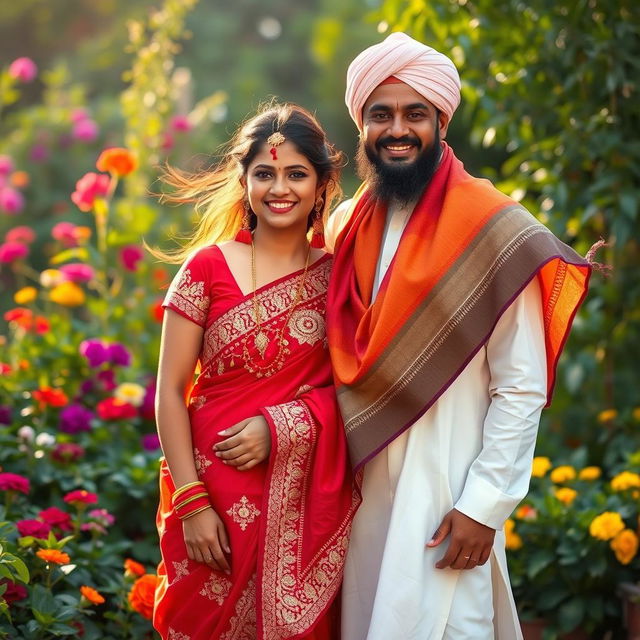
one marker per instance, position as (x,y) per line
(288,519)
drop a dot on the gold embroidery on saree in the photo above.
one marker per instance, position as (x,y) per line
(188,296)
(243,513)
(201,461)
(181,570)
(243,623)
(294,596)
(216,588)
(176,635)
(307,326)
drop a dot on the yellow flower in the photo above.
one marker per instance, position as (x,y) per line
(540,466)
(25,295)
(625,546)
(590,473)
(566,495)
(607,415)
(131,393)
(526,512)
(606,526)
(625,480)
(68,294)
(636,414)
(51,277)
(563,474)
(512,540)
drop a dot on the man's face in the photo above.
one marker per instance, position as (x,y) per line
(399,124)
(399,148)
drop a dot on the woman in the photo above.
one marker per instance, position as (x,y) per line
(256,500)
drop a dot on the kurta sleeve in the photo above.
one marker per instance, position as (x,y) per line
(188,294)
(335,224)
(499,477)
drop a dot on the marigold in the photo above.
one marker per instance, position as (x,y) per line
(636,414)
(607,416)
(590,473)
(625,546)
(133,568)
(606,526)
(625,480)
(91,595)
(526,512)
(540,466)
(25,295)
(117,160)
(512,540)
(562,474)
(53,556)
(68,294)
(566,495)
(142,595)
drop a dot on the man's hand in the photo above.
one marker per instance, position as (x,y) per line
(248,444)
(470,544)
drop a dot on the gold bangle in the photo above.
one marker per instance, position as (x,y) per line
(193,513)
(191,499)
(183,488)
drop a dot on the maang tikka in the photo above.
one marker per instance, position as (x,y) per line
(275,140)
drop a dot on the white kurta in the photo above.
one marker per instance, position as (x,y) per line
(472,450)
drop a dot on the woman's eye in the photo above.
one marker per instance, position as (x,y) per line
(262,175)
(298,175)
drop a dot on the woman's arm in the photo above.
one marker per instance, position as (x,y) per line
(204,533)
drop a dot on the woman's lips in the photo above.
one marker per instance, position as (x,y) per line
(280,206)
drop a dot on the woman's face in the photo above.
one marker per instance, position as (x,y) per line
(282,191)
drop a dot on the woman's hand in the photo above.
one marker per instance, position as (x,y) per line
(248,444)
(206,540)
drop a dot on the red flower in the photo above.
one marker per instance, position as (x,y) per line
(117,160)
(47,396)
(14,482)
(80,497)
(12,251)
(23,234)
(114,409)
(14,592)
(56,518)
(157,311)
(141,596)
(25,319)
(89,188)
(67,452)
(35,528)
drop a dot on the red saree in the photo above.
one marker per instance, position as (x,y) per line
(288,519)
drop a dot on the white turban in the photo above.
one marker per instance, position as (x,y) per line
(424,69)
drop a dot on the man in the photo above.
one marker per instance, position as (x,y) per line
(448,308)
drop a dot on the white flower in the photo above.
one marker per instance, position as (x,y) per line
(131,393)
(45,440)
(26,433)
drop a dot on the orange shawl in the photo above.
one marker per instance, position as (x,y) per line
(465,255)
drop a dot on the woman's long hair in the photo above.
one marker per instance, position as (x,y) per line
(218,194)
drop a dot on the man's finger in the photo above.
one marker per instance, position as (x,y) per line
(449,557)
(441,533)
(484,556)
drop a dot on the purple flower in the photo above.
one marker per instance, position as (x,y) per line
(87,387)
(23,69)
(39,153)
(95,351)
(118,354)
(78,272)
(6,165)
(147,408)
(150,442)
(5,414)
(180,123)
(11,200)
(75,418)
(85,131)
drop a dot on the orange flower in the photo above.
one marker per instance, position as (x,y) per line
(91,595)
(625,546)
(142,595)
(53,555)
(133,568)
(49,396)
(20,179)
(117,160)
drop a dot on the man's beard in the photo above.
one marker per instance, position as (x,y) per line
(400,181)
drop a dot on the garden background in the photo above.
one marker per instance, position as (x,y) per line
(549,112)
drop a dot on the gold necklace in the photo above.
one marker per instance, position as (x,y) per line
(260,339)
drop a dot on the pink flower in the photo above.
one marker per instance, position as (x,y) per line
(24,235)
(14,482)
(65,452)
(102,516)
(180,124)
(78,272)
(12,251)
(79,114)
(6,165)
(11,200)
(130,256)
(79,497)
(56,518)
(167,141)
(35,528)
(23,69)
(93,527)
(85,131)
(64,232)
(90,187)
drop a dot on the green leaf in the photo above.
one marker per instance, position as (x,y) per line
(552,596)
(20,568)
(571,614)
(538,561)
(42,600)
